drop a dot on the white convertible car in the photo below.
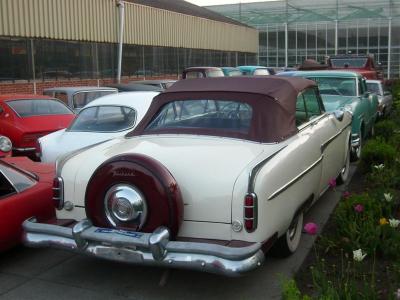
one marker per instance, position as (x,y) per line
(102,119)
(218,171)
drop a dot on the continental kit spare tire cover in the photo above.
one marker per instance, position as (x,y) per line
(158,186)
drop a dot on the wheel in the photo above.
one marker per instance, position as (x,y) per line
(288,243)
(344,173)
(356,154)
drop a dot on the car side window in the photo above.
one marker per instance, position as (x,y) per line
(61,96)
(301,112)
(6,187)
(311,102)
(12,181)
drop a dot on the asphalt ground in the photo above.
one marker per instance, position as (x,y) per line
(27,273)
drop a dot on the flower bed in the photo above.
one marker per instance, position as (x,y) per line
(358,254)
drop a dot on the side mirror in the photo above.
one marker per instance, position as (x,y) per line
(338,114)
(1,110)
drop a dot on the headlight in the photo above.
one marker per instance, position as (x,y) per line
(125,203)
(5,144)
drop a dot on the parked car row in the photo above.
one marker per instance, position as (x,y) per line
(208,175)
(204,72)
(348,90)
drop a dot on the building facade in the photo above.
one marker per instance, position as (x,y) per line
(75,41)
(291,31)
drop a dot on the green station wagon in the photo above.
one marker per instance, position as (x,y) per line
(346,90)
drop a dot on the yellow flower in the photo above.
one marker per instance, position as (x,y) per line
(383,221)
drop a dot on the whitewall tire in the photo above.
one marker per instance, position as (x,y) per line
(288,243)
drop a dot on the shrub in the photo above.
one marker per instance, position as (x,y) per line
(376,152)
(385,129)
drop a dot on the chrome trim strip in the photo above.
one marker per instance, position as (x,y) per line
(60,162)
(295,179)
(313,121)
(24,149)
(144,248)
(330,140)
(257,168)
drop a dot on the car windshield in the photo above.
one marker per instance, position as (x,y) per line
(80,99)
(348,62)
(336,86)
(104,119)
(38,107)
(374,88)
(223,115)
(214,73)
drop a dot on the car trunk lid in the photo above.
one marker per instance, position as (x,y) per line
(206,168)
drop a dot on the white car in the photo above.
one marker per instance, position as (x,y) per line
(385,97)
(218,171)
(102,119)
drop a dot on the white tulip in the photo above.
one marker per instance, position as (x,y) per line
(388,197)
(379,167)
(358,255)
(394,223)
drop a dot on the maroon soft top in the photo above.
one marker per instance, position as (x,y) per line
(273,100)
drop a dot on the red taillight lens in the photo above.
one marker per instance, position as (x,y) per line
(58,193)
(250,212)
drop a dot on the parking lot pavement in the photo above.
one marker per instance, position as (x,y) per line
(54,274)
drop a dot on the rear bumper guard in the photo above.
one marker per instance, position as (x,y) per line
(140,248)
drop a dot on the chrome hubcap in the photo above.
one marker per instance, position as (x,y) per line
(125,203)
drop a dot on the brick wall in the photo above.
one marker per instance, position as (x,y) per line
(27,87)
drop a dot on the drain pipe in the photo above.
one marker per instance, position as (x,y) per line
(121,6)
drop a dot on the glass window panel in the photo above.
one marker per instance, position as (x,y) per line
(38,107)
(104,119)
(204,114)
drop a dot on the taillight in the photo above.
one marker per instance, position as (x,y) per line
(58,193)
(38,149)
(250,212)
(29,139)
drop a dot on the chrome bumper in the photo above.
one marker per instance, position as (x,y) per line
(144,248)
(355,141)
(31,149)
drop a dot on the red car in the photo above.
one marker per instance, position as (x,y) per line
(25,118)
(5,146)
(363,64)
(25,191)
